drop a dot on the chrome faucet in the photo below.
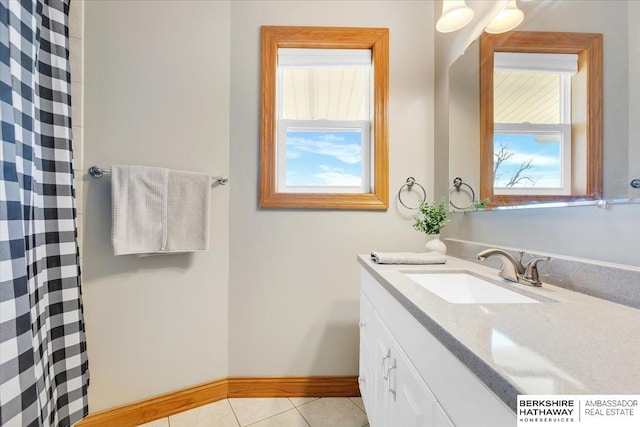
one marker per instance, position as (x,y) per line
(513,270)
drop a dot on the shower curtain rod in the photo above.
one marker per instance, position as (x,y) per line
(97,172)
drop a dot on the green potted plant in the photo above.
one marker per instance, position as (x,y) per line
(478,205)
(434,217)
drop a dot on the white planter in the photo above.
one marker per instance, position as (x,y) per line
(434,244)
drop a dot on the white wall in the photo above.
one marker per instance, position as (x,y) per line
(176,84)
(464,123)
(157,94)
(294,281)
(448,48)
(609,235)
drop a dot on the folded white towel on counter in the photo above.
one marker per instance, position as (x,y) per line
(408,258)
(159,211)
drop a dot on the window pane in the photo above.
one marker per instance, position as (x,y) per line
(324,158)
(529,97)
(325,93)
(527,160)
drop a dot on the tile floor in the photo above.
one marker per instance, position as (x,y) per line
(272,412)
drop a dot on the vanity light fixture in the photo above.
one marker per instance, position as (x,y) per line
(455,15)
(506,20)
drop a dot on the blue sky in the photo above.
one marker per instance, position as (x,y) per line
(326,158)
(546,164)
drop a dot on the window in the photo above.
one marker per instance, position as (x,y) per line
(323,127)
(532,123)
(585,121)
(324,120)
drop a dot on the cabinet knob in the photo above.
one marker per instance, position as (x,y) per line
(362,324)
(360,379)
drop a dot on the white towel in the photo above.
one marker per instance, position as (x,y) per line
(139,209)
(159,211)
(188,201)
(408,258)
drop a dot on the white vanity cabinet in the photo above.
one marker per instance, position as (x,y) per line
(408,378)
(393,392)
(365,376)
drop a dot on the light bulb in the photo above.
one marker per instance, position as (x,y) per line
(506,20)
(455,15)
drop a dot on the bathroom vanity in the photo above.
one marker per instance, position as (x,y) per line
(427,359)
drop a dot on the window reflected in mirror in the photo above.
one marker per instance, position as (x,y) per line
(540,117)
(532,110)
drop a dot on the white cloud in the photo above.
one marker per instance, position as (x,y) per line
(330,145)
(293,154)
(337,177)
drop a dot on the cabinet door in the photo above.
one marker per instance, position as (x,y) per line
(440,419)
(412,400)
(366,378)
(382,360)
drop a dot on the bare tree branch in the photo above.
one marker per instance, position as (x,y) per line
(502,155)
(516,178)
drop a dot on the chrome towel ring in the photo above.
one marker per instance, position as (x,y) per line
(457,183)
(411,181)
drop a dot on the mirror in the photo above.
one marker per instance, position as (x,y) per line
(540,117)
(621,51)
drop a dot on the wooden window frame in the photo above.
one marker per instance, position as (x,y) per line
(588,46)
(375,39)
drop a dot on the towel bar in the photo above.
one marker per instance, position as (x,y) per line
(97,172)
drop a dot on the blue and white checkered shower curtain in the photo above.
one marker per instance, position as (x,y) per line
(43,362)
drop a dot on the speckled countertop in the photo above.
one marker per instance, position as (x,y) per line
(570,344)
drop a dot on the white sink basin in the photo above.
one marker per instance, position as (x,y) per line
(464,288)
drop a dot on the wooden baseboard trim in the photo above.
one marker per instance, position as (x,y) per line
(172,403)
(294,387)
(158,407)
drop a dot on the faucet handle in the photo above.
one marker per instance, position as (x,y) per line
(531,271)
